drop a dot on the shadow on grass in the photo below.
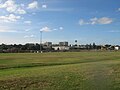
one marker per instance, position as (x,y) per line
(50,64)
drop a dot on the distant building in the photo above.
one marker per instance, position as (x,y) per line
(47,46)
(48,43)
(61,48)
(63,43)
(116,47)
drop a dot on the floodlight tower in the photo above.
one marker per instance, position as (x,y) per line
(41,41)
(76,42)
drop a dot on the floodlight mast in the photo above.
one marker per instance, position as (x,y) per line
(41,41)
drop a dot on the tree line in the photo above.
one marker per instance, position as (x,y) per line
(29,47)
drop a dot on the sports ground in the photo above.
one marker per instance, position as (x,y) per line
(60,71)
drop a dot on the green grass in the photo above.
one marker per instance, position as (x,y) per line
(60,71)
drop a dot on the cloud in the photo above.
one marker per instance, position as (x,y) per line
(27,22)
(9,18)
(118,9)
(60,28)
(93,21)
(55,29)
(9,5)
(3,30)
(45,29)
(29,36)
(44,6)
(33,5)
(27,30)
(32,36)
(82,22)
(20,11)
(12,7)
(104,20)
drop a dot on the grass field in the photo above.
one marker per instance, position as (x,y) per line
(60,71)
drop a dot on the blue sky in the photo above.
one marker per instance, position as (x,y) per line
(87,21)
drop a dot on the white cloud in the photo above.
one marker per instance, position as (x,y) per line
(27,30)
(92,21)
(118,9)
(44,6)
(9,18)
(32,36)
(33,5)
(60,28)
(27,22)
(29,36)
(82,22)
(9,5)
(55,29)
(12,7)
(105,20)
(6,29)
(45,29)
(20,11)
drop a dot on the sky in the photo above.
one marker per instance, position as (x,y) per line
(86,21)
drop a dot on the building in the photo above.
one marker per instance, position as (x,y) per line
(48,43)
(116,48)
(61,48)
(63,43)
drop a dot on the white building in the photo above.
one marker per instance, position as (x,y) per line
(116,48)
(61,48)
